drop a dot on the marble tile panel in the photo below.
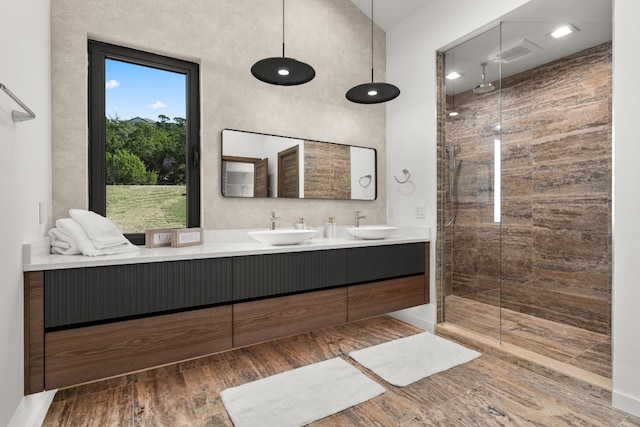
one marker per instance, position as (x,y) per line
(489,284)
(583,213)
(571,251)
(516,296)
(579,178)
(516,254)
(517,183)
(517,114)
(572,146)
(488,296)
(560,342)
(578,281)
(517,211)
(583,114)
(465,237)
(489,248)
(516,151)
(584,312)
(597,359)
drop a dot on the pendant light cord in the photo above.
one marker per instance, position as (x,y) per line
(283,28)
(371,41)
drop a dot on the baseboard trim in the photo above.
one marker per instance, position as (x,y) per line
(412,319)
(626,403)
(32,409)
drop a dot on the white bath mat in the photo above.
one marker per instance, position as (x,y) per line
(407,360)
(299,396)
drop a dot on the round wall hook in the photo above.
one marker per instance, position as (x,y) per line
(367,178)
(407,176)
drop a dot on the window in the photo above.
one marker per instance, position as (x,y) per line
(144,130)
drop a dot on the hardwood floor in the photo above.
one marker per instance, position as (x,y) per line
(578,347)
(484,392)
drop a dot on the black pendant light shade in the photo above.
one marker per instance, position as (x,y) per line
(283,71)
(374,92)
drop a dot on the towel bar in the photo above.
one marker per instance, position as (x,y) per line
(18,116)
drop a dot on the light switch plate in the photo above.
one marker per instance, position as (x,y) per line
(421,211)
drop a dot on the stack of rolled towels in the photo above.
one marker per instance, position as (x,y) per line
(89,234)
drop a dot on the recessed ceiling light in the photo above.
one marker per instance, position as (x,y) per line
(453,75)
(565,30)
(453,114)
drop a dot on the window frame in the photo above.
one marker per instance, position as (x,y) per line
(98,53)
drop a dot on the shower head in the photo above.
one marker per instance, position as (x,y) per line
(484,87)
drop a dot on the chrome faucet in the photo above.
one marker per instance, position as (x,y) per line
(358,218)
(273,220)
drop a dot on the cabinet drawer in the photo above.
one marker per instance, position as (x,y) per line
(272,318)
(390,295)
(85,354)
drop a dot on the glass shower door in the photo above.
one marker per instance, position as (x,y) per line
(470,178)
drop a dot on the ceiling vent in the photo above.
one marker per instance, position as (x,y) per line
(515,51)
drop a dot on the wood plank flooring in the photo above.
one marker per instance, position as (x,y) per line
(578,347)
(484,392)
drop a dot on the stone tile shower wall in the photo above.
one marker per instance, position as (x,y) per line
(551,253)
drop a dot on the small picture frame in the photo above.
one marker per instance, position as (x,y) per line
(158,238)
(181,237)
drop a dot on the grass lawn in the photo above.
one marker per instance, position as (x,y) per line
(137,208)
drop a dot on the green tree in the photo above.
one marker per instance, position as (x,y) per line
(161,146)
(124,167)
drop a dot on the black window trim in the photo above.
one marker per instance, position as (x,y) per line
(98,53)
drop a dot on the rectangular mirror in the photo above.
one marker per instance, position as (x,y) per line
(261,165)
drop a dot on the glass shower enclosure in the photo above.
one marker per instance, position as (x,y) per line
(524,188)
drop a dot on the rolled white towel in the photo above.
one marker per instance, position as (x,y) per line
(62,243)
(74,229)
(102,232)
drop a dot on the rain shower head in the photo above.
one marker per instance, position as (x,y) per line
(484,87)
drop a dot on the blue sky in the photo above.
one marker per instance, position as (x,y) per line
(139,91)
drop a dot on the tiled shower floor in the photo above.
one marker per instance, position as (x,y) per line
(583,349)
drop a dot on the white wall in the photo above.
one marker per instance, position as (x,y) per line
(411,143)
(25,174)
(626,207)
(411,118)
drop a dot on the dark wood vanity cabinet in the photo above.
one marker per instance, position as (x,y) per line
(84,324)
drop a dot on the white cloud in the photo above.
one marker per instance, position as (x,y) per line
(158,104)
(111,84)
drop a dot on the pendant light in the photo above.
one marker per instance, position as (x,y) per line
(374,92)
(283,71)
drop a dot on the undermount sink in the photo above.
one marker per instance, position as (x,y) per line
(372,232)
(285,236)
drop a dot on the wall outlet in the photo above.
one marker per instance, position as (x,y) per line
(421,211)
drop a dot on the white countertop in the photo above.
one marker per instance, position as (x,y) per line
(217,244)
